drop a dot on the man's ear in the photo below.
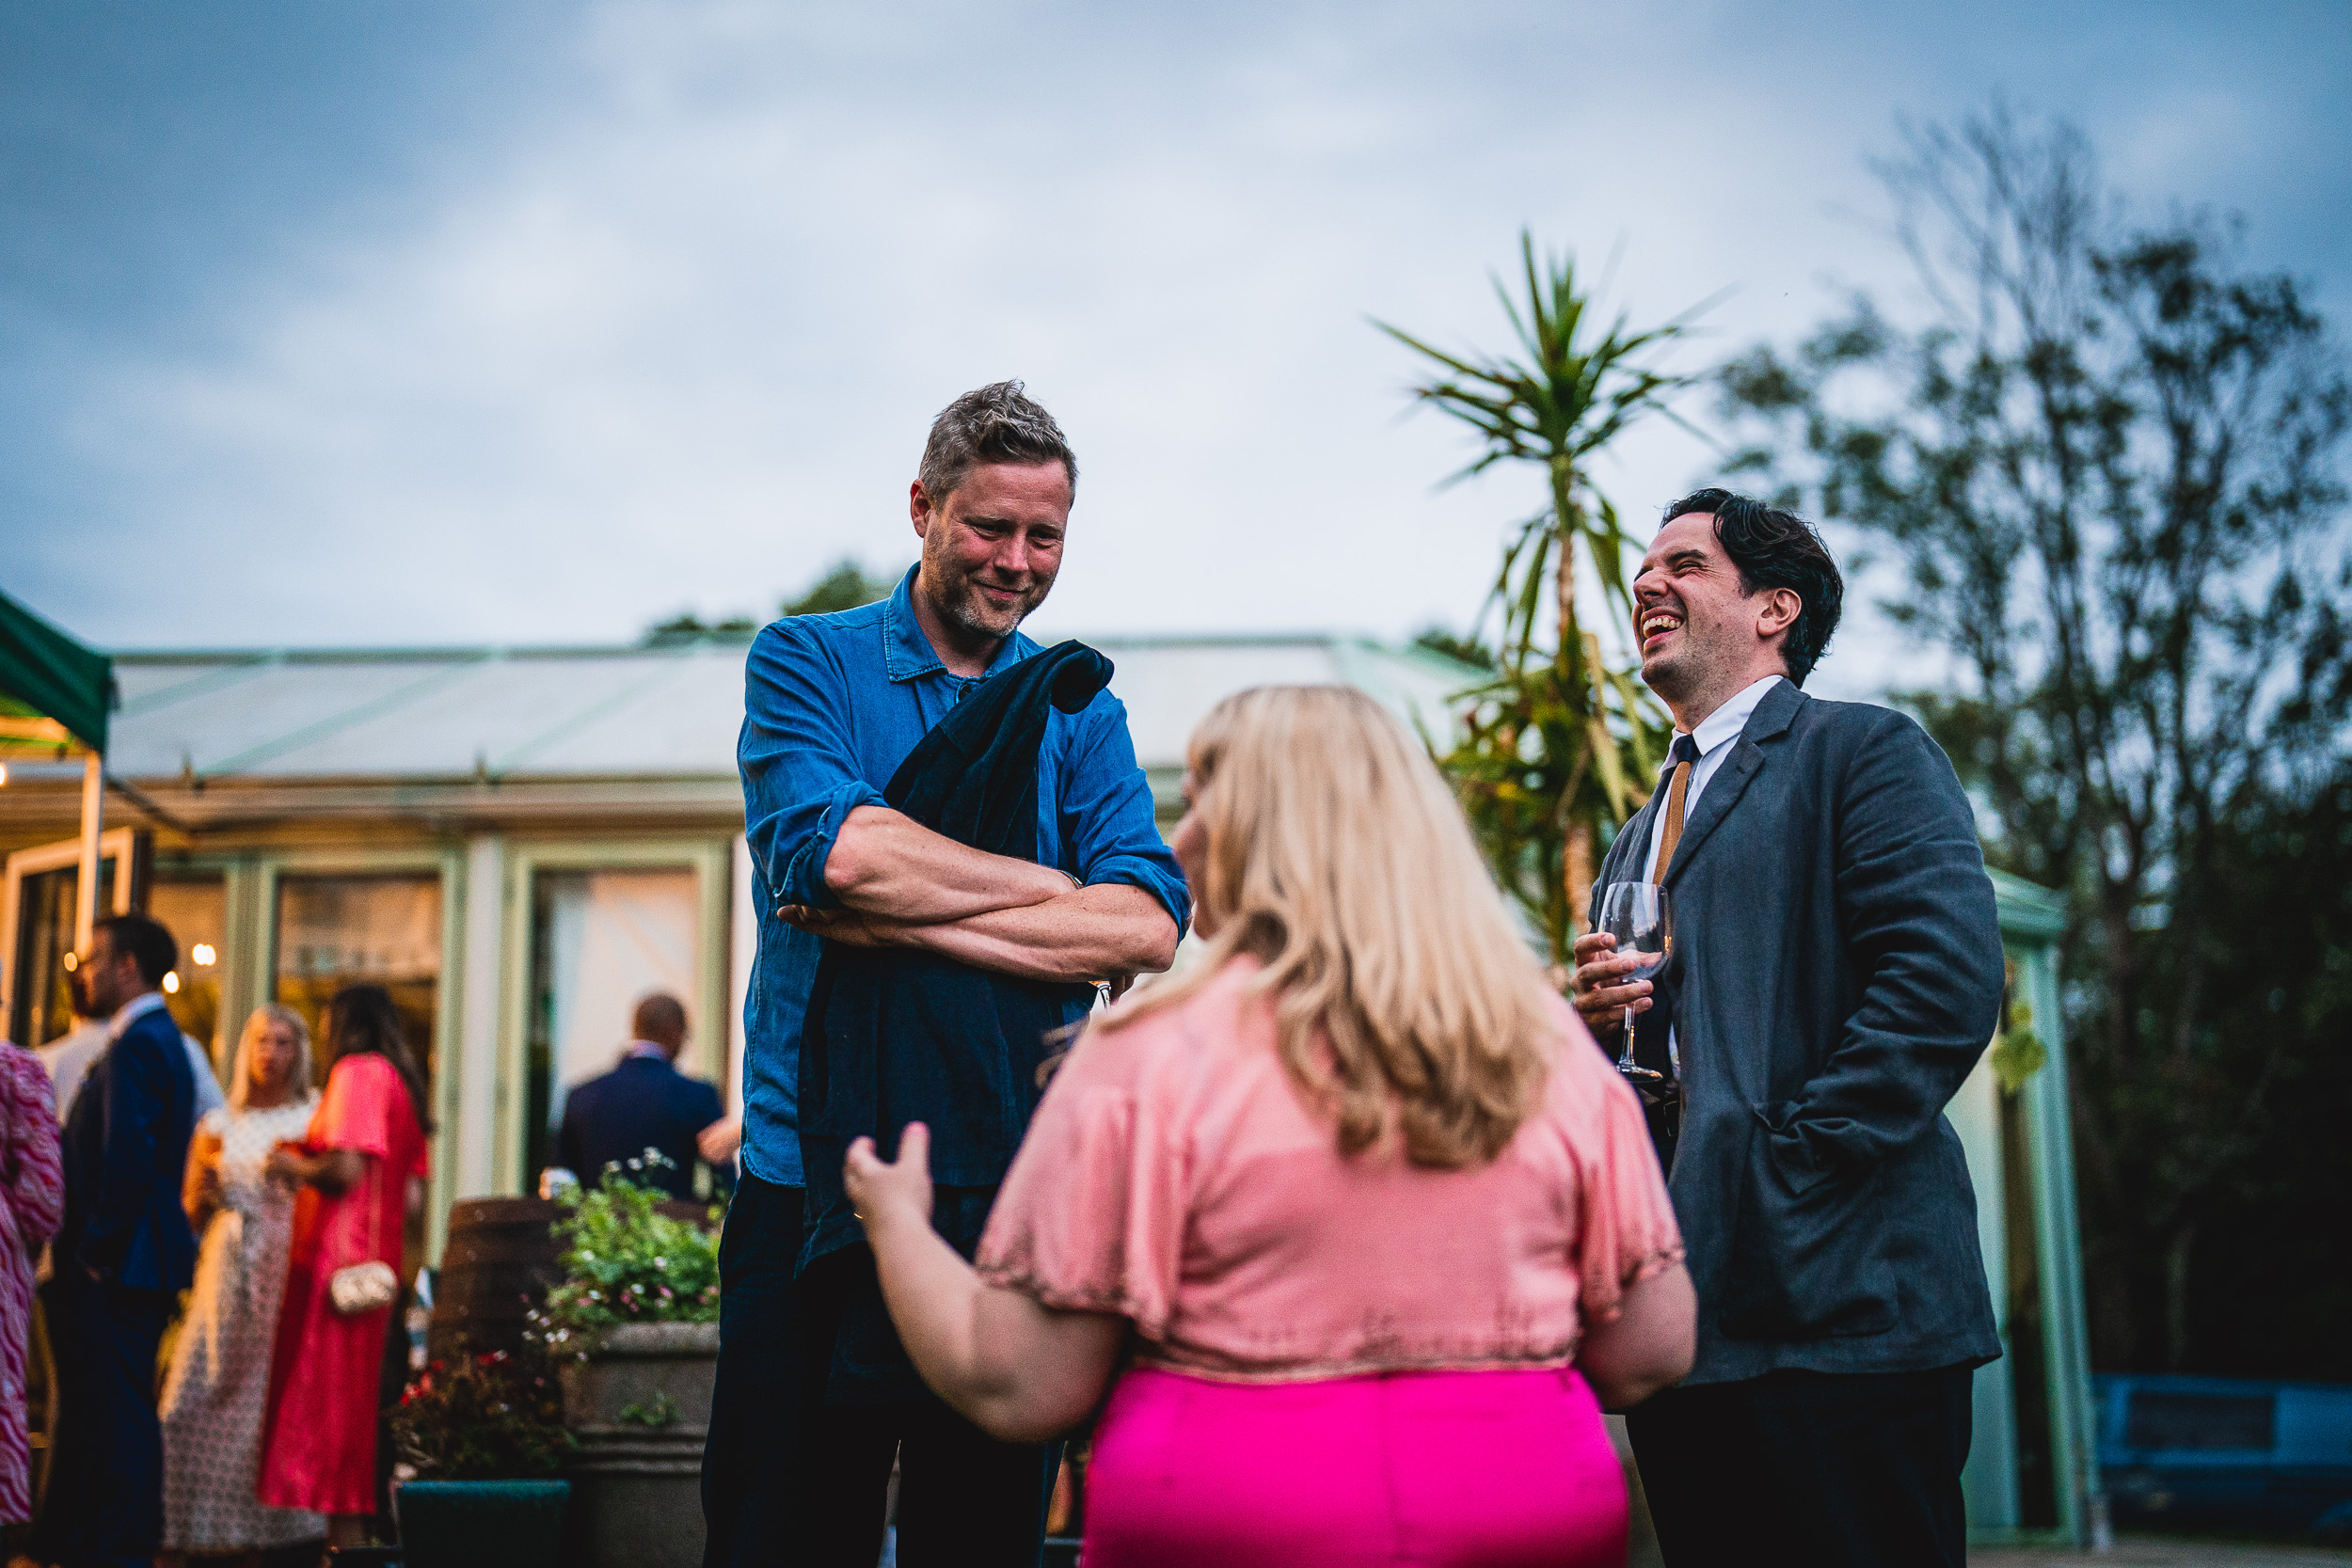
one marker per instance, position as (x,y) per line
(1779,612)
(919,508)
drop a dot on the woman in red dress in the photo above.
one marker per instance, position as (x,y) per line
(361,1169)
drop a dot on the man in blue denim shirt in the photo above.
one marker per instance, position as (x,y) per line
(832,704)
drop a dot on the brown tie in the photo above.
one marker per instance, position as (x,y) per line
(1685,750)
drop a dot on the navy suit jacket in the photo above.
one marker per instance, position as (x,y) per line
(1835,974)
(126,1151)
(642,1103)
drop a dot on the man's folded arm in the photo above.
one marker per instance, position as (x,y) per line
(823,836)
(1090,933)
(1919,919)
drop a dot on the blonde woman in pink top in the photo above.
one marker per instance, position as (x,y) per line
(1382,1227)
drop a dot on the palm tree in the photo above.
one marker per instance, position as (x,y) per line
(1558,746)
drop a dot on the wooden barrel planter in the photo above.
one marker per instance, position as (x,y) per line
(499,1263)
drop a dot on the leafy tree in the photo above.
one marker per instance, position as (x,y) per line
(1559,747)
(845,587)
(2104,467)
(1461,650)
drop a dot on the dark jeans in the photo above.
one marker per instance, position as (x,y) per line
(1826,1470)
(790,1481)
(105,1501)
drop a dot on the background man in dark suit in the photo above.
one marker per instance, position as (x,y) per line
(643,1104)
(1834,973)
(122,1255)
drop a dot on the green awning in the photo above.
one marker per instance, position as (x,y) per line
(47,674)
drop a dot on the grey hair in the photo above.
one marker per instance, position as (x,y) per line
(298,1086)
(997,423)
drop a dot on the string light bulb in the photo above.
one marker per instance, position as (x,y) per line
(171,983)
(202,953)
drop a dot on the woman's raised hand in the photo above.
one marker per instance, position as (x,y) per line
(883,1192)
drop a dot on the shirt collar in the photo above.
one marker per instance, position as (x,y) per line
(132,1011)
(644,1051)
(1727,721)
(907,653)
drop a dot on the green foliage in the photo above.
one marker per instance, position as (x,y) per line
(624,1261)
(1559,747)
(491,1416)
(1461,650)
(2018,1053)
(845,587)
(2107,471)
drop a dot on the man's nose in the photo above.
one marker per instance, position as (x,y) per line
(1012,556)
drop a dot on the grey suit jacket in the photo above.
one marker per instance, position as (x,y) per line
(1837,971)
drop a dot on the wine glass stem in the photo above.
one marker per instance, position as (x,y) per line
(1625,1057)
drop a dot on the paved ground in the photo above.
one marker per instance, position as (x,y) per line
(2145,1552)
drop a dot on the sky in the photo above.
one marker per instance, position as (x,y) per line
(325,323)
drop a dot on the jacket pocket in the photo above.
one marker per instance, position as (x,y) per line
(1806,1255)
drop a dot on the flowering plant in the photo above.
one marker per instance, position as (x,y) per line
(624,1261)
(489,1416)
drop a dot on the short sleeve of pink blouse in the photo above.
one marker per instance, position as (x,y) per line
(366,1108)
(1091,1214)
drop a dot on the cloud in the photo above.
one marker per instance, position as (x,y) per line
(671,336)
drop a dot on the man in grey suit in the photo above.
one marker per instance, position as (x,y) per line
(1834,973)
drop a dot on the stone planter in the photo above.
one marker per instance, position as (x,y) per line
(481,1523)
(638,1406)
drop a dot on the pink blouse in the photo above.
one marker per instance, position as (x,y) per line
(1174,1176)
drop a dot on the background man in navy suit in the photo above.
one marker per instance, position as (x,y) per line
(645,1102)
(1833,975)
(122,1255)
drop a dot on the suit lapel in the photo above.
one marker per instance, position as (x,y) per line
(1771,717)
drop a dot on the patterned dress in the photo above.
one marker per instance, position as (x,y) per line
(219,1385)
(32,1201)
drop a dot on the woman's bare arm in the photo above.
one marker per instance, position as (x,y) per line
(1648,1347)
(331,1171)
(1021,1372)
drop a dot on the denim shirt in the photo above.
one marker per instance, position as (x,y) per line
(832,705)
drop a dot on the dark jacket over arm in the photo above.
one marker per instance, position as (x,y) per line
(1837,975)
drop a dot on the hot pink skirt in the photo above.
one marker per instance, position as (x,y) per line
(1491,1468)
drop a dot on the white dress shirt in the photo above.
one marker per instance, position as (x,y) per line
(1713,737)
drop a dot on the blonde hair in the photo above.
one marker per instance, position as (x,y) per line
(1402,991)
(298,1084)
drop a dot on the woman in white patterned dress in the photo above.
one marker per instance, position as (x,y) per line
(218,1384)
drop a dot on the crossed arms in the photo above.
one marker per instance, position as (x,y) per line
(901,885)
(841,864)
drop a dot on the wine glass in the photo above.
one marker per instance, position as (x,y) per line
(1635,914)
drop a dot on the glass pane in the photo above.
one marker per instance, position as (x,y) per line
(195,910)
(600,941)
(338,931)
(41,1005)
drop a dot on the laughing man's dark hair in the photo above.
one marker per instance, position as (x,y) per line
(1774,548)
(997,423)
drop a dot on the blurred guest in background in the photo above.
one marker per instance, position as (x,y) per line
(1382,1222)
(218,1384)
(32,1200)
(643,1104)
(361,1169)
(69,1057)
(122,1255)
